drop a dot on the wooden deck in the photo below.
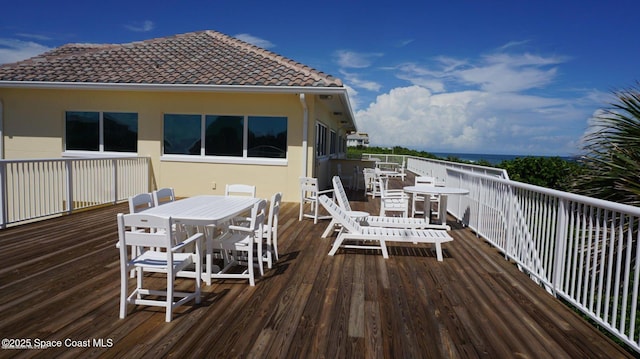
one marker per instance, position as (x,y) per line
(59,280)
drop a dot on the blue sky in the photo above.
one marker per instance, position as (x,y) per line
(503,77)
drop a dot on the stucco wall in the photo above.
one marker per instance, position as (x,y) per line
(33,127)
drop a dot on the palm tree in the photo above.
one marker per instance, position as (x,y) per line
(612,152)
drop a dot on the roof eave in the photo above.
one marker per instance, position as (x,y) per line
(315,90)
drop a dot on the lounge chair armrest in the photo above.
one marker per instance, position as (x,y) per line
(325,191)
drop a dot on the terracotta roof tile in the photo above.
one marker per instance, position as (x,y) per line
(200,58)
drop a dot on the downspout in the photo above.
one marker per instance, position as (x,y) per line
(1,132)
(305,130)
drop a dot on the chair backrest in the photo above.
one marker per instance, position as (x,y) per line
(258,216)
(369,176)
(341,195)
(140,202)
(274,211)
(383,182)
(240,190)
(308,186)
(163,195)
(340,215)
(131,231)
(425,180)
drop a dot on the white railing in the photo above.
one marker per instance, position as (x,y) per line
(32,189)
(433,167)
(581,249)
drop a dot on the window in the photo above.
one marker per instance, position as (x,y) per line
(321,140)
(225,136)
(267,137)
(333,144)
(101,131)
(182,134)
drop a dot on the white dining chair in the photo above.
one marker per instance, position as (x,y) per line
(417,202)
(163,195)
(140,202)
(238,189)
(394,201)
(270,230)
(240,243)
(165,259)
(309,192)
(137,204)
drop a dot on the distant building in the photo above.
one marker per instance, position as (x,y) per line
(358,139)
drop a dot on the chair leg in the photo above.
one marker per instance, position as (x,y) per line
(252,281)
(329,228)
(315,212)
(123,294)
(170,278)
(260,259)
(336,244)
(301,209)
(274,234)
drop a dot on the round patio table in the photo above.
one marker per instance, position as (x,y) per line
(442,191)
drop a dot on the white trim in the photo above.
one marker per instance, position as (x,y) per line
(305,135)
(1,131)
(96,154)
(174,87)
(226,160)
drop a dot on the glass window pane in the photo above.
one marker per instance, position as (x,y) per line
(223,135)
(120,131)
(182,134)
(267,137)
(82,131)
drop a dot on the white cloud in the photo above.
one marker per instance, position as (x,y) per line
(470,121)
(144,26)
(12,50)
(355,80)
(483,105)
(357,60)
(354,99)
(254,40)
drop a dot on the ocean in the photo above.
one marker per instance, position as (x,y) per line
(491,158)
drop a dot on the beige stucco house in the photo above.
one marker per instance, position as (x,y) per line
(208,109)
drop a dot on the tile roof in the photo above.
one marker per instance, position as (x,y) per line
(195,58)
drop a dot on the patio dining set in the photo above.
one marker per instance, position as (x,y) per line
(180,237)
(231,236)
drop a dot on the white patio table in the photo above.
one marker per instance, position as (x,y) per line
(443,191)
(205,210)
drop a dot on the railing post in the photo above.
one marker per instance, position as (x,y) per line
(114,189)
(3,195)
(561,246)
(69,167)
(510,230)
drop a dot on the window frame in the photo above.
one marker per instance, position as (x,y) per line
(244,159)
(100,152)
(321,140)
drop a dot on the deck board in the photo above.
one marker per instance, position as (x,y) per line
(60,280)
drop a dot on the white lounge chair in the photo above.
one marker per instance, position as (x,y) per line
(352,231)
(375,221)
